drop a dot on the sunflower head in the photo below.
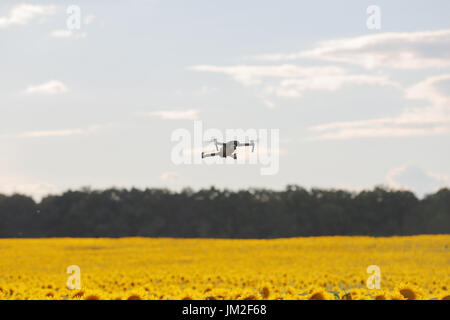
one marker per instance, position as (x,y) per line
(316,296)
(265,292)
(410,292)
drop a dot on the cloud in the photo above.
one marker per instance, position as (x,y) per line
(11,184)
(294,87)
(57,133)
(35,189)
(169,176)
(399,50)
(189,114)
(254,74)
(435,89)
(51,133)
(433,119)
(372,129)
(51,87)
(404,50)
(414,178)
(290,81)
(61,33)
(415,122)
(23,13)
(66,33)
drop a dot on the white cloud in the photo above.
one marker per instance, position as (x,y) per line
(372,129)
(414,178)
(290,81)
(36,190)
(189,114)
(169,176)
(415,122)
(11,184)
(51,133)
(405,50)
(57,133)
(431,120)
(66,33)
(23,13)
(402,50)
(61,33)
(49,88)
(295,87)
(254,74)
(430,89)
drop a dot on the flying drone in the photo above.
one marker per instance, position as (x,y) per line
(228,149)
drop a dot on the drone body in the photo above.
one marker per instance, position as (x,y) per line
(227,149)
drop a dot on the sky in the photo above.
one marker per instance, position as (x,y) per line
(92,95)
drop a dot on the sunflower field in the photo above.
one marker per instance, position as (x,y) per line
(414,267)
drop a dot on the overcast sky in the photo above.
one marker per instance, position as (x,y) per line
(96,106)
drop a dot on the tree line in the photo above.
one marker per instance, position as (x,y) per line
(214,213)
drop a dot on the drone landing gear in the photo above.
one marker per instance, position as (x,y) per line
(204,155)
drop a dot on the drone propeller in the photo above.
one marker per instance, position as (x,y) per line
(214,140)
(252,143)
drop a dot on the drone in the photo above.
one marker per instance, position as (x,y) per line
(228,149)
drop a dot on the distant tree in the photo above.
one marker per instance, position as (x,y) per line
(214,213)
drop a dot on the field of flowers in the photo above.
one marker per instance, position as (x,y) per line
(416,267)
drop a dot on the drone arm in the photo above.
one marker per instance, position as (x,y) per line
(213,154)
(246,144)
